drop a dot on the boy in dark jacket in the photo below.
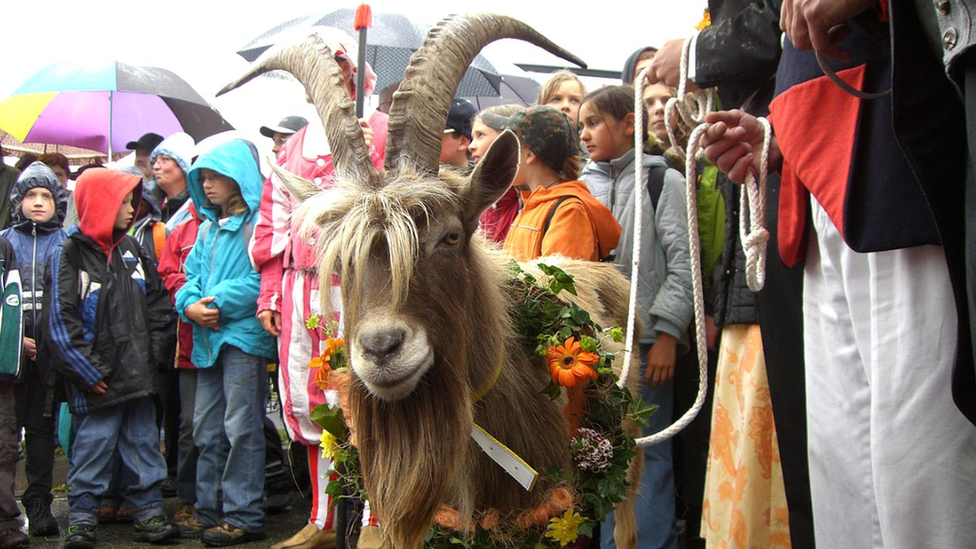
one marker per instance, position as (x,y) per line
(12,535)
(38,207)
(111,323)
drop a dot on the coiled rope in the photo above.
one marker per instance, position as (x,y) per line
(692,108)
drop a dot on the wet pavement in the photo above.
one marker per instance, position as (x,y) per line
(119,536)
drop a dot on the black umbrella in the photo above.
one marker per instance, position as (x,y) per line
(512,90)
(392,40)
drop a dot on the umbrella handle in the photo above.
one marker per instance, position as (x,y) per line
(362,21)
(361,74)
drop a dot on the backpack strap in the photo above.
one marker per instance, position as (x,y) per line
(655,184)
(159,238)
(552,213)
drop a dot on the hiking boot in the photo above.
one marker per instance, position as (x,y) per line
(228,534)
(40,521)
(13,538)
(183,512)
(190,527)
(156,530)
(80,536)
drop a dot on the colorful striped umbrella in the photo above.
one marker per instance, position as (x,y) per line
(105,105)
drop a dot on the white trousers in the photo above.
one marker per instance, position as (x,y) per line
(892,461)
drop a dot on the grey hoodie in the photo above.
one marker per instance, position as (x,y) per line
(664,294)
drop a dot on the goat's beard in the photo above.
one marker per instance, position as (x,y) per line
(412,452)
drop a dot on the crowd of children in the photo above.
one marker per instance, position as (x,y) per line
(199,271)
(202,274)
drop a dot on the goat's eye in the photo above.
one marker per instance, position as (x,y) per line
(451,239)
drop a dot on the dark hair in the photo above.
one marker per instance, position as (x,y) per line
(571,169)
(82,169)
(26,159)
(615,101)
(55,159)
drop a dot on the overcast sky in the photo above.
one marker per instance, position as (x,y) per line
(198,39)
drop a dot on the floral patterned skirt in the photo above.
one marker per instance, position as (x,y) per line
(745,502)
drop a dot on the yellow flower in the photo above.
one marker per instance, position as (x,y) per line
(565,529)
(705,22)
(569,363)
(328,444)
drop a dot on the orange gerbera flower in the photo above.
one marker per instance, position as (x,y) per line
(323,364)
(569,363)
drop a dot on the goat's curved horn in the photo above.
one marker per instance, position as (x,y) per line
(298,186)
(313,64)
(421,105)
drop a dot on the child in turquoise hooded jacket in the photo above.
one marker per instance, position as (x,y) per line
(230,348)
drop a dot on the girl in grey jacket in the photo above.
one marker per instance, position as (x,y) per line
(664,296)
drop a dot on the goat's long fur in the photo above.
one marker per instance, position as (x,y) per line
(416,452)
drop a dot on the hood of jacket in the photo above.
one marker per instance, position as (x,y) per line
(98,196)
(234,160)
(606,226)
(627,76)
(38,175)
(179,147)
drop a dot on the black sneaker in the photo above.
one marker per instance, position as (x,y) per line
(228,534)
(13,538)
(156,530)
(40,521)
(80,536)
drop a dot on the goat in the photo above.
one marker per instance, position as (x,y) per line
(425,312)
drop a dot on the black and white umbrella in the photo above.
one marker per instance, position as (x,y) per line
(392,40)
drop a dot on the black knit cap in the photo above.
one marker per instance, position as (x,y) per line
(547,132)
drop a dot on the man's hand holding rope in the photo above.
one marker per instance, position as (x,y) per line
(808,23)
(733,142)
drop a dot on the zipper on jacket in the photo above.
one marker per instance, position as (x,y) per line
(613,191)
(34,276)
(213,246)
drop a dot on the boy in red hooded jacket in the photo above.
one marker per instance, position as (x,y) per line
(111,324)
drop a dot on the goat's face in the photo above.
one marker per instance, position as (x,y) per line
(404,255)
(393,341)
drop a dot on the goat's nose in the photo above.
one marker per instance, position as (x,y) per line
(382,343)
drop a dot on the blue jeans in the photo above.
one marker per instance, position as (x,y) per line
(654,508)
(229,436)
(130,427)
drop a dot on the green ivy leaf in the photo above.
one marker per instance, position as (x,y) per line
(331,420)
(641,411)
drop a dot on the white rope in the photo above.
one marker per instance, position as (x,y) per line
(691,107)
(753,234)
(638,203)
(694,252)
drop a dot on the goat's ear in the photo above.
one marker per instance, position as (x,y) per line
(492,177)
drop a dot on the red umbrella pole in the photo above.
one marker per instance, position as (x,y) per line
(362,22)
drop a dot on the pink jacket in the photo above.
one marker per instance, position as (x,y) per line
(275,247)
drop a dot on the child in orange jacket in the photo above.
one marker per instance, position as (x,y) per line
(560,215)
